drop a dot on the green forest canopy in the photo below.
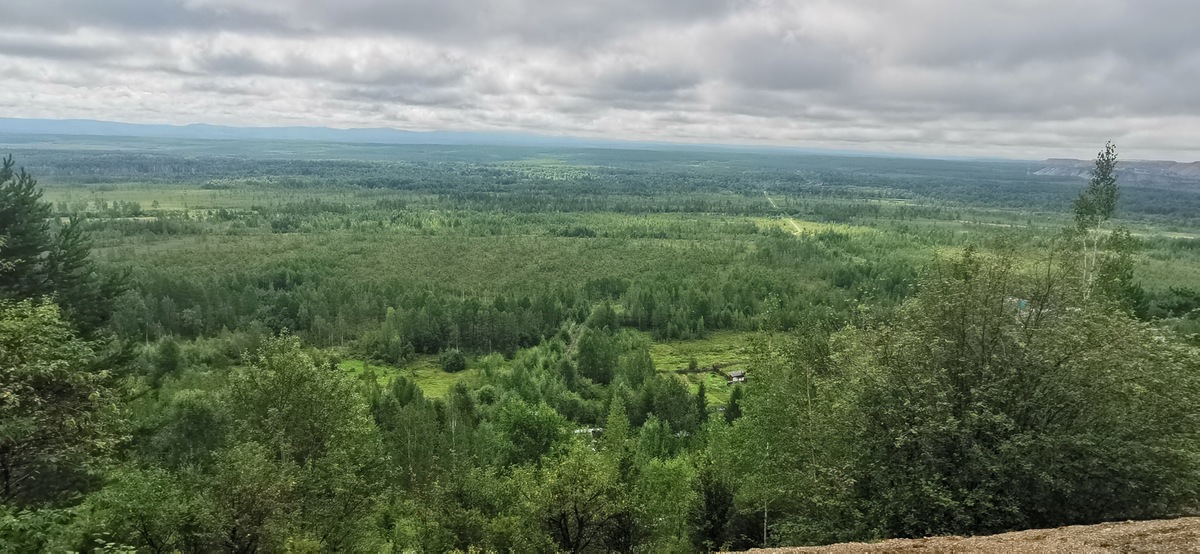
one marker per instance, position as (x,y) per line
(468,350)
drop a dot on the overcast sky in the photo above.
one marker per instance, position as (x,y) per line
(1015,78)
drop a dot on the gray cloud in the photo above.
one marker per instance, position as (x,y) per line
(1012,77)
(55,50)
(131,15)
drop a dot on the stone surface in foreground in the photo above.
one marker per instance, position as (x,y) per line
(1163,535)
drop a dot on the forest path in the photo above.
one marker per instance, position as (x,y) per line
(781,212)
(575,339)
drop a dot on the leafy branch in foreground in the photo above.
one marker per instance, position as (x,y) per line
(57,410)
(997,400)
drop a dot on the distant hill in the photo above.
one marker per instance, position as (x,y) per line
(1139,171)
(16,127)
(89,127)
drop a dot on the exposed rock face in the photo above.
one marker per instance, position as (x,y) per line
(1146,172)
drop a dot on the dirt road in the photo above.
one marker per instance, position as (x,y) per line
(1163,535)
(785,216)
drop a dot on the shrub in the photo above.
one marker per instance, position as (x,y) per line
(453,360)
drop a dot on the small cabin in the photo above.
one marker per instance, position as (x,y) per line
(735,377)
(592,432)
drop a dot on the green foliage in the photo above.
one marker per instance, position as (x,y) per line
(598,352)
(284,455)
(301,410)
(1114,274)
(167,360)
(192,425)
(410,431)
(656,440)
(58,404)
(664,494)
(616,437)
(1064,414)
(530,432)
(305,327)
(253,498)
(580,499)
(25,231)
(711,515)
(6,265)
(1108,272)
(1098,201)
(637,366)
(453,361)
(995,401)
(733,408)
(153,509)
(44,260)
(313,427)
(25,530)
(667,398)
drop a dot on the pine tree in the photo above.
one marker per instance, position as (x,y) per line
(733,408)
(25,231)
(39,262)
(615,439)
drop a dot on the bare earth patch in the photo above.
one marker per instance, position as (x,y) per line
(1164,535)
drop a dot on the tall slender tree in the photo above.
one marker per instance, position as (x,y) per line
(1095,205)
(25,231)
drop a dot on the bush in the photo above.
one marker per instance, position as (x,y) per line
(453,360)
(993,401)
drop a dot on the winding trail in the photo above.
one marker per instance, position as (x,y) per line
(575,339)
(785,216)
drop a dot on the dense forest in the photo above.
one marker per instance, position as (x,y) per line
(244,347)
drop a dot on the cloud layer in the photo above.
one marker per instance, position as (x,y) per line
(1022,78)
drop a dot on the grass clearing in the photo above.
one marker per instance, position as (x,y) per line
(424,371)
(720,348)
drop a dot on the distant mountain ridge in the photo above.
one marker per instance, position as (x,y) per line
(388,136)
(203,131)
(380,135)
(1136,170)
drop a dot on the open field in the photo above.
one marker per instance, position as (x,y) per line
(424,371)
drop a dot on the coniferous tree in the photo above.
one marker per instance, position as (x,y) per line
(42,262)
(733,408)
(25,231)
